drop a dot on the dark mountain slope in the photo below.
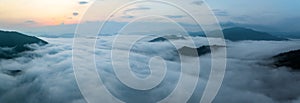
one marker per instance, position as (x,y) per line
(12,43)
(289,59)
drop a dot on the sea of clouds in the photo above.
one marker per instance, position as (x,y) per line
(47,73)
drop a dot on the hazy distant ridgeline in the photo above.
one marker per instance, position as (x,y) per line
(240,33)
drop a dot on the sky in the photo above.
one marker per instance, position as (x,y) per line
(40,17)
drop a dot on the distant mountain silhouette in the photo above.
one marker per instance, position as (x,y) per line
(12,43)
(167,37)
(291,35)
(188,51)
(68,35)
(194,52)
(289,59)
(240,33)
(200,33)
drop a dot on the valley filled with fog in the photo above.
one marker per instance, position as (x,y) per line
(46,74)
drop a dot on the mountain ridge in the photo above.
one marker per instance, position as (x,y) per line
(241,33)
(12,43)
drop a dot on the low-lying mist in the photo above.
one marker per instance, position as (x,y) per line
(47,76)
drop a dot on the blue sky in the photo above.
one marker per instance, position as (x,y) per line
(263,9)
(61,16)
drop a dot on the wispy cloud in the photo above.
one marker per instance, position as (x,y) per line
(83,2)
(175,16)
(219,12)
(75,13)
(198,2)
(30,22)
(128,16)
(136,9)
(126,12)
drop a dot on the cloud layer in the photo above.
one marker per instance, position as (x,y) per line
(48,77)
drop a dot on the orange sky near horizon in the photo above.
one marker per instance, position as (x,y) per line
(39,12)
(50,12)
